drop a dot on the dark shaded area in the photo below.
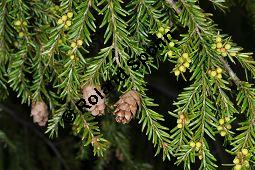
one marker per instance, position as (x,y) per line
(162,86)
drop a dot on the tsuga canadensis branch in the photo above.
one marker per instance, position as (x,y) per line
(69,71)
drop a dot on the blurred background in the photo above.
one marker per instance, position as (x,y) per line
(23,145)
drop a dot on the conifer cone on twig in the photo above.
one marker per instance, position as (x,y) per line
(126,107)
(39,111)
(96,109)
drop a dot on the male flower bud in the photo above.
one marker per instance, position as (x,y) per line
(79,42)
(68,23)
(245,151)
(221,121)
(218,39)
(72,57)
(64,18)
(181,121)
(192,144)
(16,44)
(159,35)
(223,50)
(186,64)
(213,46)
(236,161)
(21,34)
(219,45)
(180,60)
(213,73)
(73,44)
(179,126)
(177,72)
(237,167)
(185,55)
(198,144)
(219,70)
(182,68)
(224,54)
(60,41)
(223,133)
(17,23)
(24,23)
(161,30)
(69,14)
(171,44)
(228,126)
(170,53)
(227,119)
(60,21)
(219,76)
(246,164)
(233,54)
(219,128)
(167,30)
(227,46)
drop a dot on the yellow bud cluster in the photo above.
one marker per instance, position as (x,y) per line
(224,126)
(76,43)
(20,27)
(66,20)
(241,159)
(216,73)
(183,63)
(16,44)
(170,53)
(196,145)
(223,49)
(171,44)
(19,23)
(162,31)
(73,56)
(60,41)
(21,34)
(181,121)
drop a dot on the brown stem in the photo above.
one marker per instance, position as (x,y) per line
(230,71)
(173,5)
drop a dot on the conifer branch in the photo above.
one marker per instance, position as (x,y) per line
(53,49)
(230,71)
(173,5)
(202,33)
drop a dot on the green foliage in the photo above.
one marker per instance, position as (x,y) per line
(46,54)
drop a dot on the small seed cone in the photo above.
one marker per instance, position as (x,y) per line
(98,108)
(39,112)
(126,107)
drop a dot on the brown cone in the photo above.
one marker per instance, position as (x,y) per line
(127,107)
(39,112)
(98,108)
